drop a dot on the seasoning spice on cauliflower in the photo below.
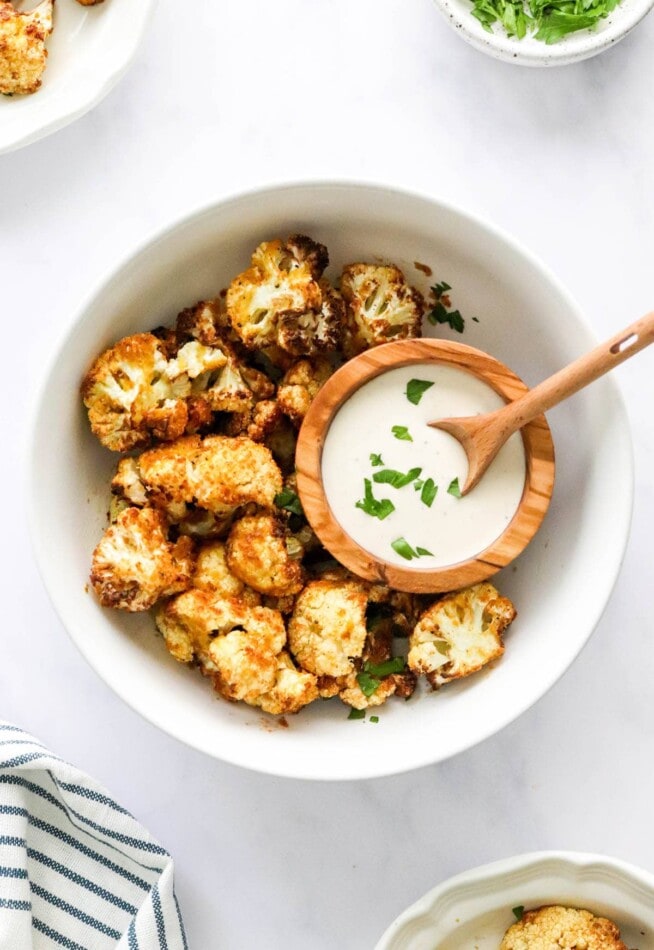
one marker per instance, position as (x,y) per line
(379,306)
(327,629)
(257,553)
(460,634)
(280,301)
(299,387)
(217,473)
(22,47)
(212,574)
(293,689)
(134,564)
(562,927)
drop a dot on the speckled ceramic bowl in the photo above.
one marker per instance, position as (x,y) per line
(473,909)
(531,52)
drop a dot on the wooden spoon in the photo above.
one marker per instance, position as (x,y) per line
(483,436)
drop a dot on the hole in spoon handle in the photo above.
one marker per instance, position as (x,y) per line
(625,344)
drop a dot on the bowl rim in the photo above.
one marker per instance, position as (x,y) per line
(39,396)
(571,49)
(84,97)
(517,865)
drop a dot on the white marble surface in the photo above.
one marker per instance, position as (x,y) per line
(233,96)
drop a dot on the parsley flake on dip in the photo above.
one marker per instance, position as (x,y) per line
(392,482)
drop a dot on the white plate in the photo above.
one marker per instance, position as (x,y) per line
(88,52)
(560,584)
(531,52)
(474,909)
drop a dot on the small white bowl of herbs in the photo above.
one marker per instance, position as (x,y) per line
(543,32)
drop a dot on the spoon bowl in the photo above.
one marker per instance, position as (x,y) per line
(536,495)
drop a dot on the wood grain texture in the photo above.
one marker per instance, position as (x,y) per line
(539,481)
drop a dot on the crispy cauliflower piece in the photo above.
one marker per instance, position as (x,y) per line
(293,689)
(460,634)
(379,306)
(258,423)
(134,564)
(327,629)
(89,3)
(257,553)
(22,47)
(212,573)
(127,485)
(554,927)
(280,301)
(206,322)
(352,694)
(217,473)
(299,387)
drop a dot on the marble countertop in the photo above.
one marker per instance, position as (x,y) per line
(232,96)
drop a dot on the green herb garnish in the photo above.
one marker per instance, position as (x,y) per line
(374,719)
(376,459)
(402,547)
(428,493)
(357,713)
(289,501)
(547,20)
(453,488)
(401,432)
(395,665)
(441,312)
(368,684)
(389,476)
(416,388)
(518,911)
(376,508)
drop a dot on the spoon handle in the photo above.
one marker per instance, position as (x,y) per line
(580,373)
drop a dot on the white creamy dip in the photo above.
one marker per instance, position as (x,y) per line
(452,529)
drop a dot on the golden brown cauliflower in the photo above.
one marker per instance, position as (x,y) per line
(89,3)
(280,300)
(562,928)
(134,564)
(257,553)
(293,689)
(327,629)
(379,306)
(299,387)
(258,423)
(460,634)
(22,47)
(212,573)
(217,473)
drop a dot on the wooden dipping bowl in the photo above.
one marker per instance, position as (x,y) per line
(539,457)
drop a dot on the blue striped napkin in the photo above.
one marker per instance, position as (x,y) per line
(76,870)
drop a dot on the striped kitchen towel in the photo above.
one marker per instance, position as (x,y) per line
(76,870)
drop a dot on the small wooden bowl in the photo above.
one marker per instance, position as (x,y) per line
(539,455)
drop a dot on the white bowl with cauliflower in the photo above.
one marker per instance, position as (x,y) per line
(180,388)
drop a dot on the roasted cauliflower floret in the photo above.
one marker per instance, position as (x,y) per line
(134,564)
(327,629)
(460,634)
(217,473)
(280,300)
(212,573)
(22,47)
(299,387)
(293,689)
(127,485)
(554,927)
(257,553)
(379,306)
(258,423)
(206,322)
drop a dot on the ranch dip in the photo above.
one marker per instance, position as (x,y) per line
(392,482)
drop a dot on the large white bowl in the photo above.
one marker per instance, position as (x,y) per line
(531,52)
(88,52)
(560,584)
(474,909)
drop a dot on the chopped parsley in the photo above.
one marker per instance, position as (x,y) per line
(368,684)
(402,547)
(428,492)
(289,501)
(454,489)
(441,312)
(395,665)
(374,719)
(402,433)
(376,508)
(518,911)
(376,459)
(390,476)
(416,388)
(357,713)
(548,20)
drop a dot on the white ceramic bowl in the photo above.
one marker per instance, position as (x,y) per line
(525,319)
(474,909)
(531,52)
(88,52)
